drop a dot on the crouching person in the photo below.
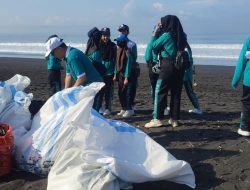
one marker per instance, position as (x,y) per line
(79,69)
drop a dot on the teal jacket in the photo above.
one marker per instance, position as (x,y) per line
(110,65)
(95,56)
(78,63)
(243,66)
(188,75)
(150,55)
(53,63)
(129,64)
(164,45)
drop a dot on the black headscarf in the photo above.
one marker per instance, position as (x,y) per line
(107,50)
(93,43)
(172,24)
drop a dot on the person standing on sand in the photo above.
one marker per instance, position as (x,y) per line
(153,69)
(108,55)
(93,53)
(188,81)
(78,66)
(124,29)
(125,75)
(170,41)
(54,72)
(243,70)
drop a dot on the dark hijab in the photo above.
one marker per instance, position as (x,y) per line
(93,43)
(107,50)
(172,24)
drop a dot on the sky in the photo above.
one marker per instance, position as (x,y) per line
(76,17)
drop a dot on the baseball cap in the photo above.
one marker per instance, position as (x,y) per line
(106,31)
(52,44)
(123,27)
(121,38)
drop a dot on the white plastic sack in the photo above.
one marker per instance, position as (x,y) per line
(9,88)
(71,172)
(17,114)
(118,149)
(53,128)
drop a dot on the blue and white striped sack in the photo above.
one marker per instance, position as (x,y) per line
(53,127)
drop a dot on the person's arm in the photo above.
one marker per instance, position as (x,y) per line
(159,43)
(67,80)
(128,67)
(148,52)
(81,80)
(241,64)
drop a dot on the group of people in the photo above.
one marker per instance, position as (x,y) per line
(105,61)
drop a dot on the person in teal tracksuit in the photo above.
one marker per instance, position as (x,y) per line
(132,47)
(243,70)
(54,72)
(93,52)
(187,81)
(125,75)
(171,39)
(78,66)
(151,60)
(108,56)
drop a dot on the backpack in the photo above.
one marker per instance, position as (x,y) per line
(182,61)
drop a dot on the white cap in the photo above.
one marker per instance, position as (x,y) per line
(52,44)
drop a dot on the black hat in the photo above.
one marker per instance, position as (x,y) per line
(93,32)
(106,31)
(123,27)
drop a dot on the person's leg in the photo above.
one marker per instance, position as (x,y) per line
(108,91)
(121,94)
(161,91)
(176,90)
(58,84)
(191,94)
(51,80)
(163,85)
(245,126)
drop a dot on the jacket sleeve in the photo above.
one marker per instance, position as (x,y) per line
(159,43)
(241,64)
(148,52)
(129,65)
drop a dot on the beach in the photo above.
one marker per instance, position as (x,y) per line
(209,142)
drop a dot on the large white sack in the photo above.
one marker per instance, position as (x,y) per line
(53,128)
(17,114)
(128,152)
(9,88)
(70,172)
(120,149)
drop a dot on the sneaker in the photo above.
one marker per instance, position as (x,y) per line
(166,111)
(121,112)
(170,121)
(106,112)
(173,123)
(101,110)
(153,123)
(244,133)
(128,113)
(196,111)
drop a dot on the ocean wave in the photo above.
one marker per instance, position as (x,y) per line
(201,51)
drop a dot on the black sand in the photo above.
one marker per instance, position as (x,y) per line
(209,142)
